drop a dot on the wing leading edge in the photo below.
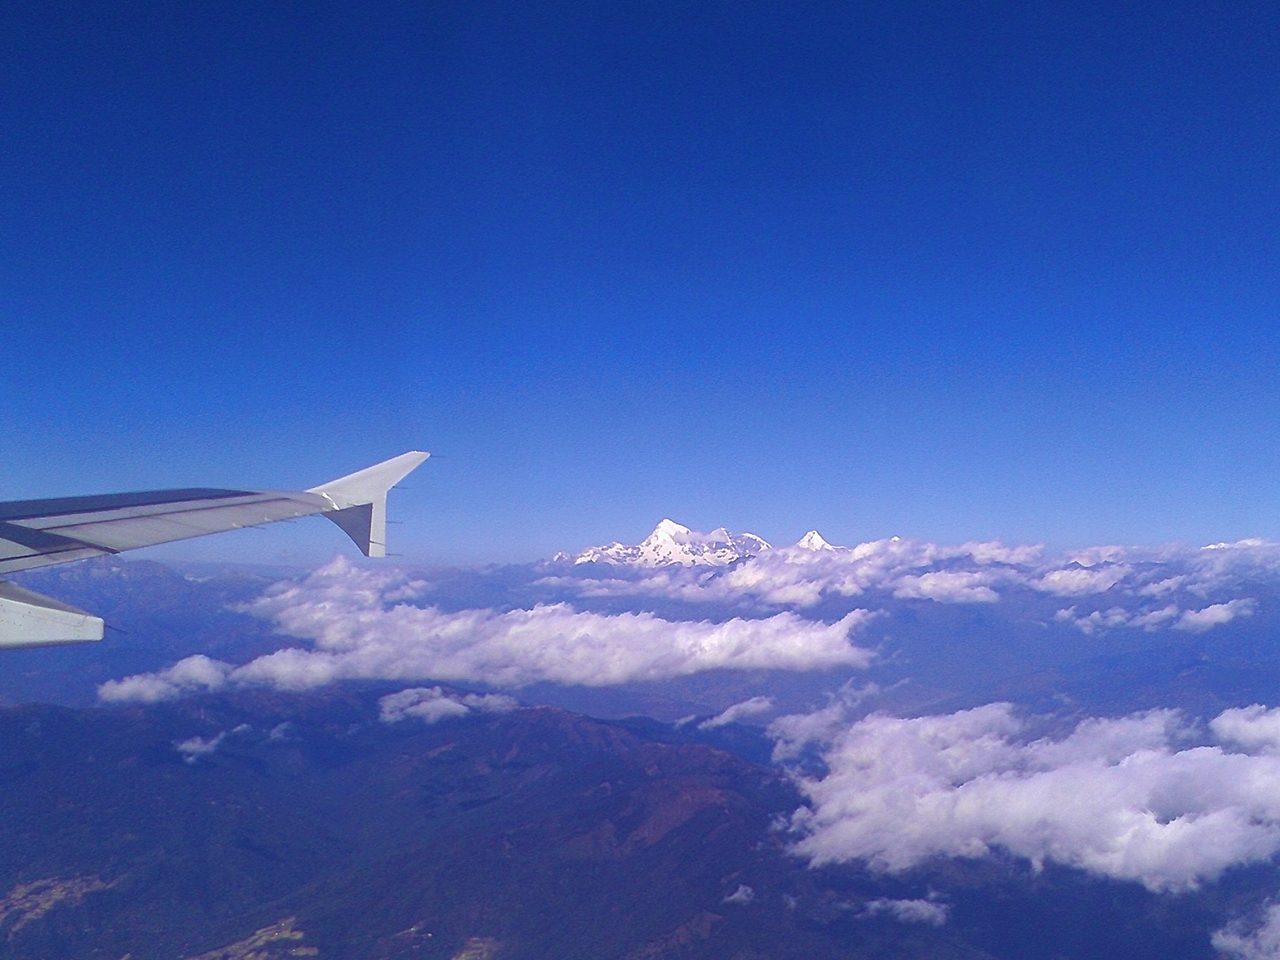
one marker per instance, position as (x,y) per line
(38,533)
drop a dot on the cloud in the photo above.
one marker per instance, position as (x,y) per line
(194,748)
(1098,620)
(742,895)
(1146,588)
(1124,798)
(948,587)
(1075,582)
(1262,942)
(431,704)
(197,747)
(363,623)
(1254,729)
(196,674)
(359,634)
(754,707)
(909,911)
(792,733)
(1197,621)
(1192,621)
(803,575)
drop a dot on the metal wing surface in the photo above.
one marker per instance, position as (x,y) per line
(38,533)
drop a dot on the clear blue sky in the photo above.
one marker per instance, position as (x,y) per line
(948,270)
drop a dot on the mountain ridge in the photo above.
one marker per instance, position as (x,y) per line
(311,828)
(673,544)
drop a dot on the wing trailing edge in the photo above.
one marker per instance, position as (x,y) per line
(29,619)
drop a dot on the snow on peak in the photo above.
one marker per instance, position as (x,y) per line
(813,541)
(672,531)
(673,543)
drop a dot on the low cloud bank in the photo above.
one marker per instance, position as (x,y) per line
(374,624)
(1135,798)
(1171,587)
(362,627)
(909,911)
(431,705)
(1191,621)
(804,575)
(198,674)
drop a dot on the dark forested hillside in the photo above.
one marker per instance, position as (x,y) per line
(270,825)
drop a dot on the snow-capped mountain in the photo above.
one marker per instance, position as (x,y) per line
(671,543)
(813,541)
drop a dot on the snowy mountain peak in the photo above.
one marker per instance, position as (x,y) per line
(813,541)
(670,530)
(673,543)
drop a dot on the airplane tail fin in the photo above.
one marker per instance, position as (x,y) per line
(360,500)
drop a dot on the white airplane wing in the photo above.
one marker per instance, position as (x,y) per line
(37,533)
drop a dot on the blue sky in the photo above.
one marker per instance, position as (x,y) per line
(952,271)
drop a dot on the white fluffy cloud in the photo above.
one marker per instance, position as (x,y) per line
(1130,798)
(908,911)
(431,704)
(198,674)
(361,628)
(948,586)
(1253,729)
(193,748)
(1078,581)
(1251,942)
(802,576)
(1197,621)
(1144,588)
(792,733)
(755,707)
(1192,621)
(363,623)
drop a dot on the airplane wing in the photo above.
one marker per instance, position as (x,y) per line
(37,533)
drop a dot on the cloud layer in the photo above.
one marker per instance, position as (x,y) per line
(363,627)
(1135,798)
(790,608)
(431,705)
(1103,588)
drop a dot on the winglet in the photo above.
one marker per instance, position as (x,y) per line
(360,500)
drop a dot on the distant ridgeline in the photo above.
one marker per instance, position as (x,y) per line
(672,543)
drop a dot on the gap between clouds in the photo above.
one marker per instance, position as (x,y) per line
(362,627)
